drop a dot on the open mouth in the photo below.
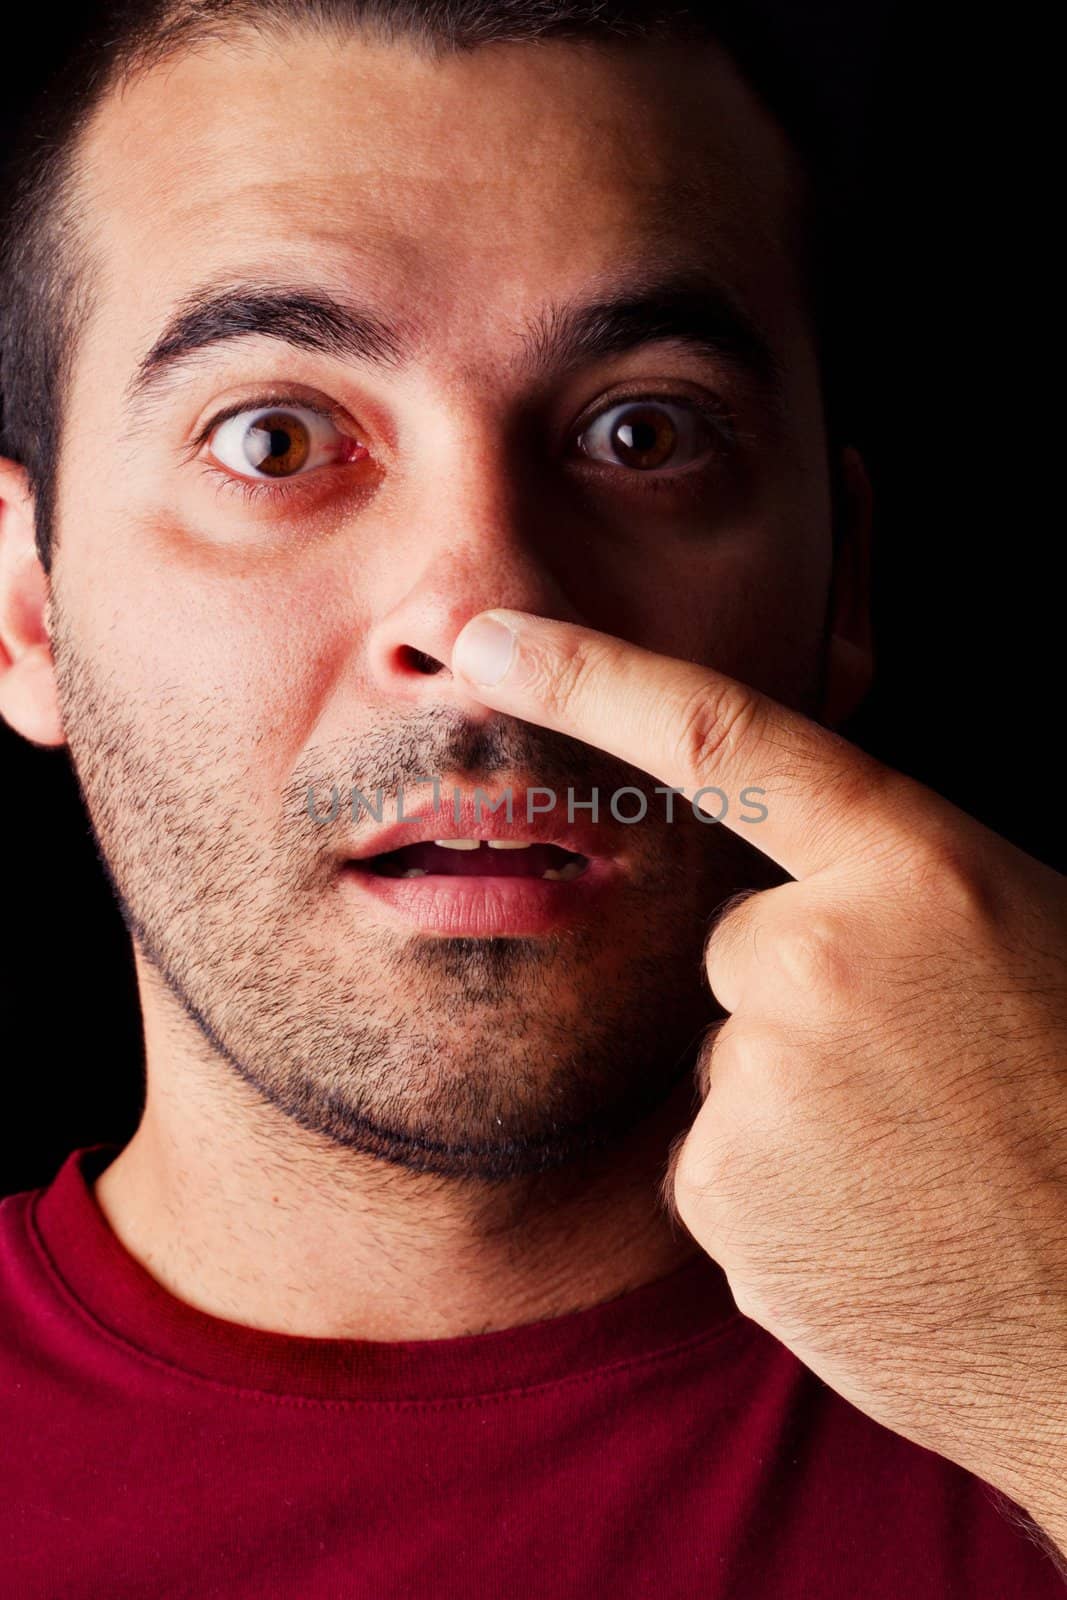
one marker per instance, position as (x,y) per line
(477,858)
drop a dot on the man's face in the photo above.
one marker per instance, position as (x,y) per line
(241,611)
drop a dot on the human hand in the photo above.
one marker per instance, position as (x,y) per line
(879,1163)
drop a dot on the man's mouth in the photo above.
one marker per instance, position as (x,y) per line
(477,858)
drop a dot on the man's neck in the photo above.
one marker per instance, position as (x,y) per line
(338,1245)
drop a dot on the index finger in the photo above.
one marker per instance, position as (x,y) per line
(693,728)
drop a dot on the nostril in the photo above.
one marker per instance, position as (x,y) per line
(420,660)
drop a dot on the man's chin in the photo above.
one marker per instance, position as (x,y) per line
(461,1136)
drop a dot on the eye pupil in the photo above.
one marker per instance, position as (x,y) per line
(647,437)
(277,443)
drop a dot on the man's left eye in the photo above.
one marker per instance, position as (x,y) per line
(652,435)
(276,441)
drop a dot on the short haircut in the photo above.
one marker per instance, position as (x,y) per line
(46,265)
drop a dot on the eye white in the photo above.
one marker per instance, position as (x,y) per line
(240,446)
(693,430)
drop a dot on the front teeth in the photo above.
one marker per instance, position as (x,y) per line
(413,872)
(474,844)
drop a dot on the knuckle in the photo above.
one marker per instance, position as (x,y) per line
(759,1064)
(711,726)
(698,1175)
(750,1066)
(946,875)
(814,956)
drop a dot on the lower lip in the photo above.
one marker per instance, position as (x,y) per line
(484,907)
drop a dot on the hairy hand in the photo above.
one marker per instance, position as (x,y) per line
(879,1163)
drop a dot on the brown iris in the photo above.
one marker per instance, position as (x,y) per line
(277,443)
(645,437)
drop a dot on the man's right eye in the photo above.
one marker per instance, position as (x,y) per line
(280,441)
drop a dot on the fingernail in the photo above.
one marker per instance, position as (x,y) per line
(484,650)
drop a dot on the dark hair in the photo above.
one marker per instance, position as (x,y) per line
(46,280)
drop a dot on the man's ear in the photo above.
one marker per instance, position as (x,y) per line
(850,652)
(28,700)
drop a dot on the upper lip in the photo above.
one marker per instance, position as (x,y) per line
(582,835)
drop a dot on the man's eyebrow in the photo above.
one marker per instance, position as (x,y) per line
(683,306)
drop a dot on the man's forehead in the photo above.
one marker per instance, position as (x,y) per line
(553,183)
(302,137)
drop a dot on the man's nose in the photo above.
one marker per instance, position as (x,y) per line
(476,550)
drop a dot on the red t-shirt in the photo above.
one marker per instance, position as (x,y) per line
(659,1444)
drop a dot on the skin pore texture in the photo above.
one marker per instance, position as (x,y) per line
(353,1129)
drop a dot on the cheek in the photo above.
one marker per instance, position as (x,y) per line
(242,654)
(751,603)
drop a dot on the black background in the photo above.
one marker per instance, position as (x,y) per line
(953,334)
